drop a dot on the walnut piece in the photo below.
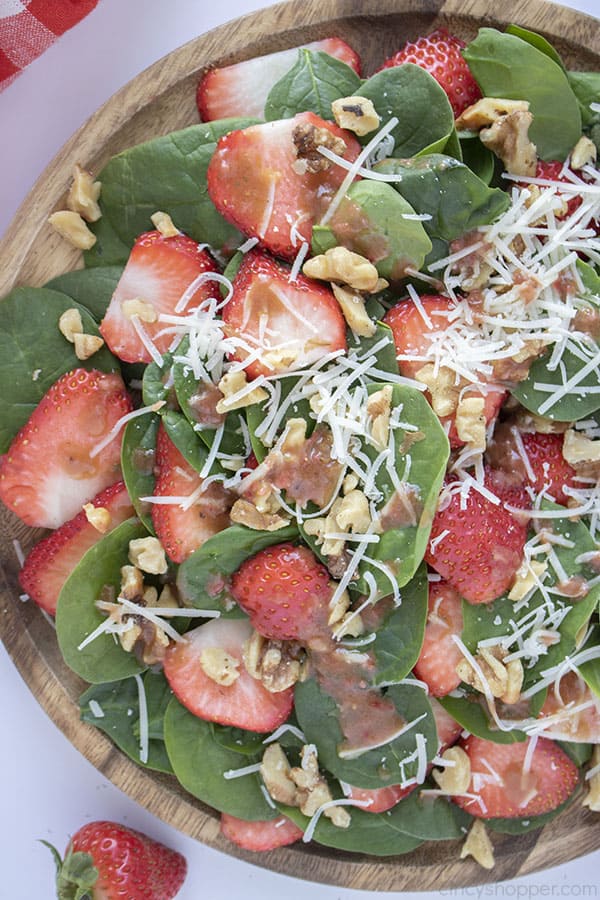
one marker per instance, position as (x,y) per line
(148,555)
(455,777)
(163,222)
(73,229)
(70,324)
(219,665)
(276,664)
(504,680)
(344,266)
(98,516)
(526,578)
(275,772)
(84,194)
(144,310)
(233,384)
(354,311)
(355,114)
(592,797)
(86,345)
(379,409)
(444,388)
(487,111)
(478,845)
(470,422)
(508,138)
(583,152)
(245,513)
(579,450)
(353,513)
(307,139)
(132,583)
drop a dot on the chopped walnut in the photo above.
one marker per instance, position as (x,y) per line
(141,636)
(232,384)
(526,578)
(245,513)
(470,422)
(168,597)
(144,310)
(163,222)
(323,525)
(307,139)
(86,345)
(73,229)
(528,421)
(276,664)
(487,111)
(579,450)
(355,114)
(379,409)
(84,194)
(592,797)
(148,555)
(132,583)
(444,388)
(342,265)
(354,311)
(275,772)
(70,324)
(353,513)
(98,516)
(478,845)
(504,680)
(508,138)
(339,609)
(516,368)
(219,665)
(455,777)
(349,483)
(583,152)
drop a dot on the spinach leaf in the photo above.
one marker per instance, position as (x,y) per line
(34,354)
(256,414)
(109,250)
(522,826)
(507,66)
(77,617)
(538,41)
(580,753)
(248,743)
(591,281)
(448,191)
(469,712)
(578,403)
(185,438)
(202,578)
(385,355)
(586,87)
(391,763)
(590,670)
(400,636)
(120,719)
(137,463)
(312,84)
(156,385)
(199,762)
(92,288)
(430,818)
(426,120)
(167,173)
(477,157)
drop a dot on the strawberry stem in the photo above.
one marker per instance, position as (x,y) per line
(76,874)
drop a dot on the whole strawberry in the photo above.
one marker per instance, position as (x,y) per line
(439,53)
(107,861)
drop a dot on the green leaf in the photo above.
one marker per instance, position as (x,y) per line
(137,463)
(425,116)
(430,818)
(477,157)
(580,753)
(507,66)
(400,636)
(319,718)
(185,439)
(77,616)
(247,743)
(468,711)
(109,250)
(523,826)
(312,84)
(76,875)
(256,414)
(199,762)
(167,173)
(578,403)
(536,40)
(119,702)
(154,385)
(91,288)
(34,354)
(447,190)
(586,87)
(203,578)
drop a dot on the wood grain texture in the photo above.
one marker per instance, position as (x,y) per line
(157,101)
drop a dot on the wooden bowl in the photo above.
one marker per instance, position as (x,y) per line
(157,101)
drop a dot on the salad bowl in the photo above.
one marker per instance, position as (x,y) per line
(158,101)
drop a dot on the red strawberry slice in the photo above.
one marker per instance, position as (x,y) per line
(256,182)
(439,655)
(242,89)
(159,271)
(448,729)
(573,711)
(477,549)
(181,531)
(502,787)
(293,323)
(440,54)
(555,171)
(376,800)
(550,468)
(245,703)
(260,836)
(50,469)
(285,590)
(52,560)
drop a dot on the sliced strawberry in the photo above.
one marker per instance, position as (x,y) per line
(556,171)
(477,549)
(294,324)
(439,53)
(242,89)
(378,800)
(51,469)
(181,531)
(52,560)
(285,590)
(158,273)
(245,703)
(503,787)
(257,182)
(260,836)
(448,729)
(439,655)
(550,468)
(533,460)
(573,711)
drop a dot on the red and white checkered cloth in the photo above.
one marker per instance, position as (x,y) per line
(28,27)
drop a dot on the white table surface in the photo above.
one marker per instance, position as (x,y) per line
(48,788)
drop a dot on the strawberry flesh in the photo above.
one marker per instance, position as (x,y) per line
(439,654)
(260,835)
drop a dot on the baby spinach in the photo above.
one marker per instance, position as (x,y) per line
(312,84)
(429,818)
(508,66)
(120,719)
(199,762)
(77,615)
(578,403)
(256,413)
(391,763)
(203,578)
(92,288)
(447,190)
(109,250)
(137,462)
(532,823)
(167,173)
(468,711)
(538,41)
(426,120)
(400,636)
(385,355)
(34,354)
(586,87)
(185,438)
(477,157)
(156,384)
(580,753)
(248,743)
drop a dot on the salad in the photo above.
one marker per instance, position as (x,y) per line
(316,434)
